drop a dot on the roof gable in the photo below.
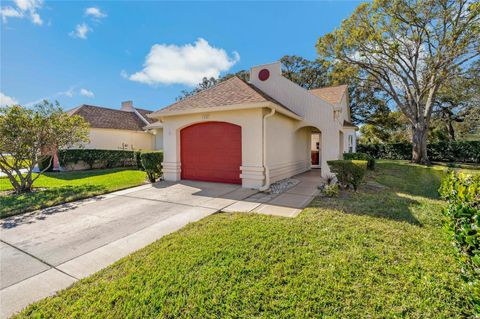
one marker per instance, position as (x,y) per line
(331,94)
(233,91)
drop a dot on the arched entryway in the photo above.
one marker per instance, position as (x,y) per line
(211,151)
(314,150)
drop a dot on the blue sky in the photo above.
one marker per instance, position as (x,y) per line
(105,52)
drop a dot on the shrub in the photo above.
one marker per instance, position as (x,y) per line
(457,151)
(349,172)
(96,157)
(46,162)
(330,179)
(152,164)
(331,190)
(137,159)
(463,224)
(361,156)
(90,156)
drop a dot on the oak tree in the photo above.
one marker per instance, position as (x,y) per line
(408,49)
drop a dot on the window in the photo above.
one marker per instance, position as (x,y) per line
(350,143)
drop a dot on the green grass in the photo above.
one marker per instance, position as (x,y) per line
(57,188)
(378,253)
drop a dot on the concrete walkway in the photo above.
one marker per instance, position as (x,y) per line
(48,250)
(287,204)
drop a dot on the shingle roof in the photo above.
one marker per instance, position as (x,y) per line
(332,94)
(144,113)
(233,91)
(349,124)
(102,117)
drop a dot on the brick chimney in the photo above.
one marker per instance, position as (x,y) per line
(127,106)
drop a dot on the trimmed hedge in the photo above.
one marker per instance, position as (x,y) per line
(463,224)
(152,164)
(96,157)
(137,159)
(460,151)
(396,151)
(349,172)
(361,156)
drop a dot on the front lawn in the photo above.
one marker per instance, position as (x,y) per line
(378,253)
(56,188)
(11,161)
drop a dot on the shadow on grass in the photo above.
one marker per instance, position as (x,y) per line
(16,204)
(410,179)
(382,204)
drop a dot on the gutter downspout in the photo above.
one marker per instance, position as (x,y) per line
(265,166)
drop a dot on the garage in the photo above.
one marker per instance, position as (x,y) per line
(211,151)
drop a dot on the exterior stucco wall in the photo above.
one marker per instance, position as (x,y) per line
(315,111)
(288,148)
(158,139)
(345,109)
(250,120)
(110,139)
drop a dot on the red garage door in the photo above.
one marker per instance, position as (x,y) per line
(211,151)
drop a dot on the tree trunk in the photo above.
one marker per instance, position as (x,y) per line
(25,186)
(419,141)
(24,189)
(450,130)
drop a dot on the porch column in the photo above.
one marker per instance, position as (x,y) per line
(171,165)
(252,170)
(330,149)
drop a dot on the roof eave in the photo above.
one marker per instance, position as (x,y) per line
(153,126)
(160,115)
(356,128)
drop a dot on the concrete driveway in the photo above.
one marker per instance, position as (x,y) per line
(48,250)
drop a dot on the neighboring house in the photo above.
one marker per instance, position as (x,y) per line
(128,128)
(255,133)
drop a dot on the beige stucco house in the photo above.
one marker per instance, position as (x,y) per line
(255,133)
(127,128)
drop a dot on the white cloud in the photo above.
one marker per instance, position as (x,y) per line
(95,12)
(9,12)
(187,64)
(24,9)
(7,100)
(32,103)
(81,31)
(70,92)
(36,19)
(86,93)
(26,5)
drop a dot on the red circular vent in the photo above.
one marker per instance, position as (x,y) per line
(263,75)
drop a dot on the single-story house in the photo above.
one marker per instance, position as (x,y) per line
(255,133)
(127,128)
